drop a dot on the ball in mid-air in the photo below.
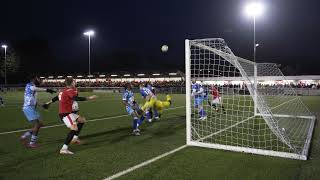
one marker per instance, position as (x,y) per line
(164,48)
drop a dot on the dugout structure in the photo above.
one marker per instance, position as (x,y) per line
(266,120)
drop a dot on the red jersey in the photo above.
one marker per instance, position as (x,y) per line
(65,100)
(215,92)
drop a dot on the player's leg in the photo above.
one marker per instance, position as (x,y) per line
(80,122)
(32,116)
(147,107)
(139,113)
(213,104)
(71,122)
(135,122)
(156,114)
(201,111)
(221,105)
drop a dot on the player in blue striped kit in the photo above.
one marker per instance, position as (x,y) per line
(148,94)
(133,109)
(199,96)
(29,110)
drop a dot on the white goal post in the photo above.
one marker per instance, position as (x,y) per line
(250,117)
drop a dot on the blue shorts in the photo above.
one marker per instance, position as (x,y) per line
(129,110)
(31,113)
(198,101)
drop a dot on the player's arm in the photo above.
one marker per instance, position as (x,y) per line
(37,89)
(47,104)
(78,98)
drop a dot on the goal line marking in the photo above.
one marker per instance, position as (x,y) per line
(91,120)
(121,173)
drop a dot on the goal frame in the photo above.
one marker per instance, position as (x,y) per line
(190,142)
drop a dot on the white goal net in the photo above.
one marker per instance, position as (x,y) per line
(244,115)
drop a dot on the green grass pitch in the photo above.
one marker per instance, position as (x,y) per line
(109,147)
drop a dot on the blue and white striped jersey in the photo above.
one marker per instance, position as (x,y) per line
(128,96)
(30,95)
(197,90)
(146,92)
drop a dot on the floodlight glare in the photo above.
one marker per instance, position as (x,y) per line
(89,33)
(254,9)
(4,46)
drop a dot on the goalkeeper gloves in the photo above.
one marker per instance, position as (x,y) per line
(51,91)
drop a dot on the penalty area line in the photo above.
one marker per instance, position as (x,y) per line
(144,163)
(90,120)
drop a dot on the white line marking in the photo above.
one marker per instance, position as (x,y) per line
(91,120)
(222,130)
(121,173)
(144,163)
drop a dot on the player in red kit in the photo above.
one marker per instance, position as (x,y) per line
(67,113)
(216,99)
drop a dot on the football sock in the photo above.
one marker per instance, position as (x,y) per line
(33,139)
(26,134)
(148,114)
(202,112)
(140,120)
(79,128)
(69,137)
(135,123)
(64,146)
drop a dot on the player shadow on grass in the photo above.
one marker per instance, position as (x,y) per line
(110,137)
(166,127)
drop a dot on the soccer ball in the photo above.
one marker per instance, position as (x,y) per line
(164,48)
(283,129)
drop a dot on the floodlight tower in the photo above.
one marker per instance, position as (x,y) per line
(89,34)
(5,63)
(254,9)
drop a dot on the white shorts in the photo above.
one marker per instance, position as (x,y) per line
(216,100)
(70,119)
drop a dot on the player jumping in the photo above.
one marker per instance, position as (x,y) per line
(158,105)
(198,94)
(133,109)
(29,110)
(150,98)
(71,119)
(216,100)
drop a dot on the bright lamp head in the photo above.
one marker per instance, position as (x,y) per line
(254,9)
(4,46)
(89,33)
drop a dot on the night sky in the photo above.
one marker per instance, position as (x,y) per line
(47,35)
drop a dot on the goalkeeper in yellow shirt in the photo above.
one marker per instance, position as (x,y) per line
(157,105)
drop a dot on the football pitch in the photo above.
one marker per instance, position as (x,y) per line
(110,148)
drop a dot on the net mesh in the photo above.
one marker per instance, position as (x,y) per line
(282,123)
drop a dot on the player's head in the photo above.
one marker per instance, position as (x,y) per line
(35,80)
(128,86)
(214,87)
(193,81)
(141,85)
(70,82)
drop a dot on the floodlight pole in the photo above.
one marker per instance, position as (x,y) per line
(5,63)
(89,56)
(89,34)
(255,72)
